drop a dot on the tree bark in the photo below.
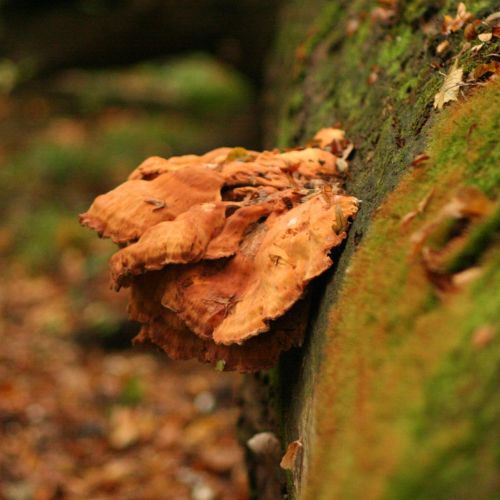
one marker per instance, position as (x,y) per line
(393,395)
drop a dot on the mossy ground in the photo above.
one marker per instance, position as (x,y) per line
(365,395)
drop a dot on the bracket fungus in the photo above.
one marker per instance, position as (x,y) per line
(217,248)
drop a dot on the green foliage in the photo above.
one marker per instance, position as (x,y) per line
(196,84)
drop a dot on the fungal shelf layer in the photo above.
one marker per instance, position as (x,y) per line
(217,248)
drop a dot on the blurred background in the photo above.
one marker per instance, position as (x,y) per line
(88,89)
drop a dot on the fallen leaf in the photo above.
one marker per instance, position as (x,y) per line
(452,24)
(442,47)
(491,68)
(493,19)
(442,238)
(420,209)
(293,455)
(383,15)
(477,48)
(483,335)
(470,30)
(419,159)
(129,426)
(451,85)
(485,37)
(352,26)
(465,277)
(372,77)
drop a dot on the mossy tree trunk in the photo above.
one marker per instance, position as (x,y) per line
(393,395)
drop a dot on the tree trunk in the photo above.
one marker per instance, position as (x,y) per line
(393,394)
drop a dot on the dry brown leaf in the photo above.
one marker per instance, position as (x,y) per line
(487,69)
(450,229)
(352,26)
(452,24)
(383,15)
(442,47)
(465,277)
(451,85)
(372,77)
(470,30)
(477,48)
(493,19)
(420,209)
(292,457)
(419,159)
(485,37)
(483,335)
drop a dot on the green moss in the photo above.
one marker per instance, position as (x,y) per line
(392,52)
(455,449)
(367,363)
(404,394)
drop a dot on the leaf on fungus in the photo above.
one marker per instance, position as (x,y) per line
(220,247)
(451,85)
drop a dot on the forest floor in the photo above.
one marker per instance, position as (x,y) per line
(83,414)
(80,421)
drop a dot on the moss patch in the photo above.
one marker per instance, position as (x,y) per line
(320,76)
(405,398)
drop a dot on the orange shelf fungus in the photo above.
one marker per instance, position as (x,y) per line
(218,249)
